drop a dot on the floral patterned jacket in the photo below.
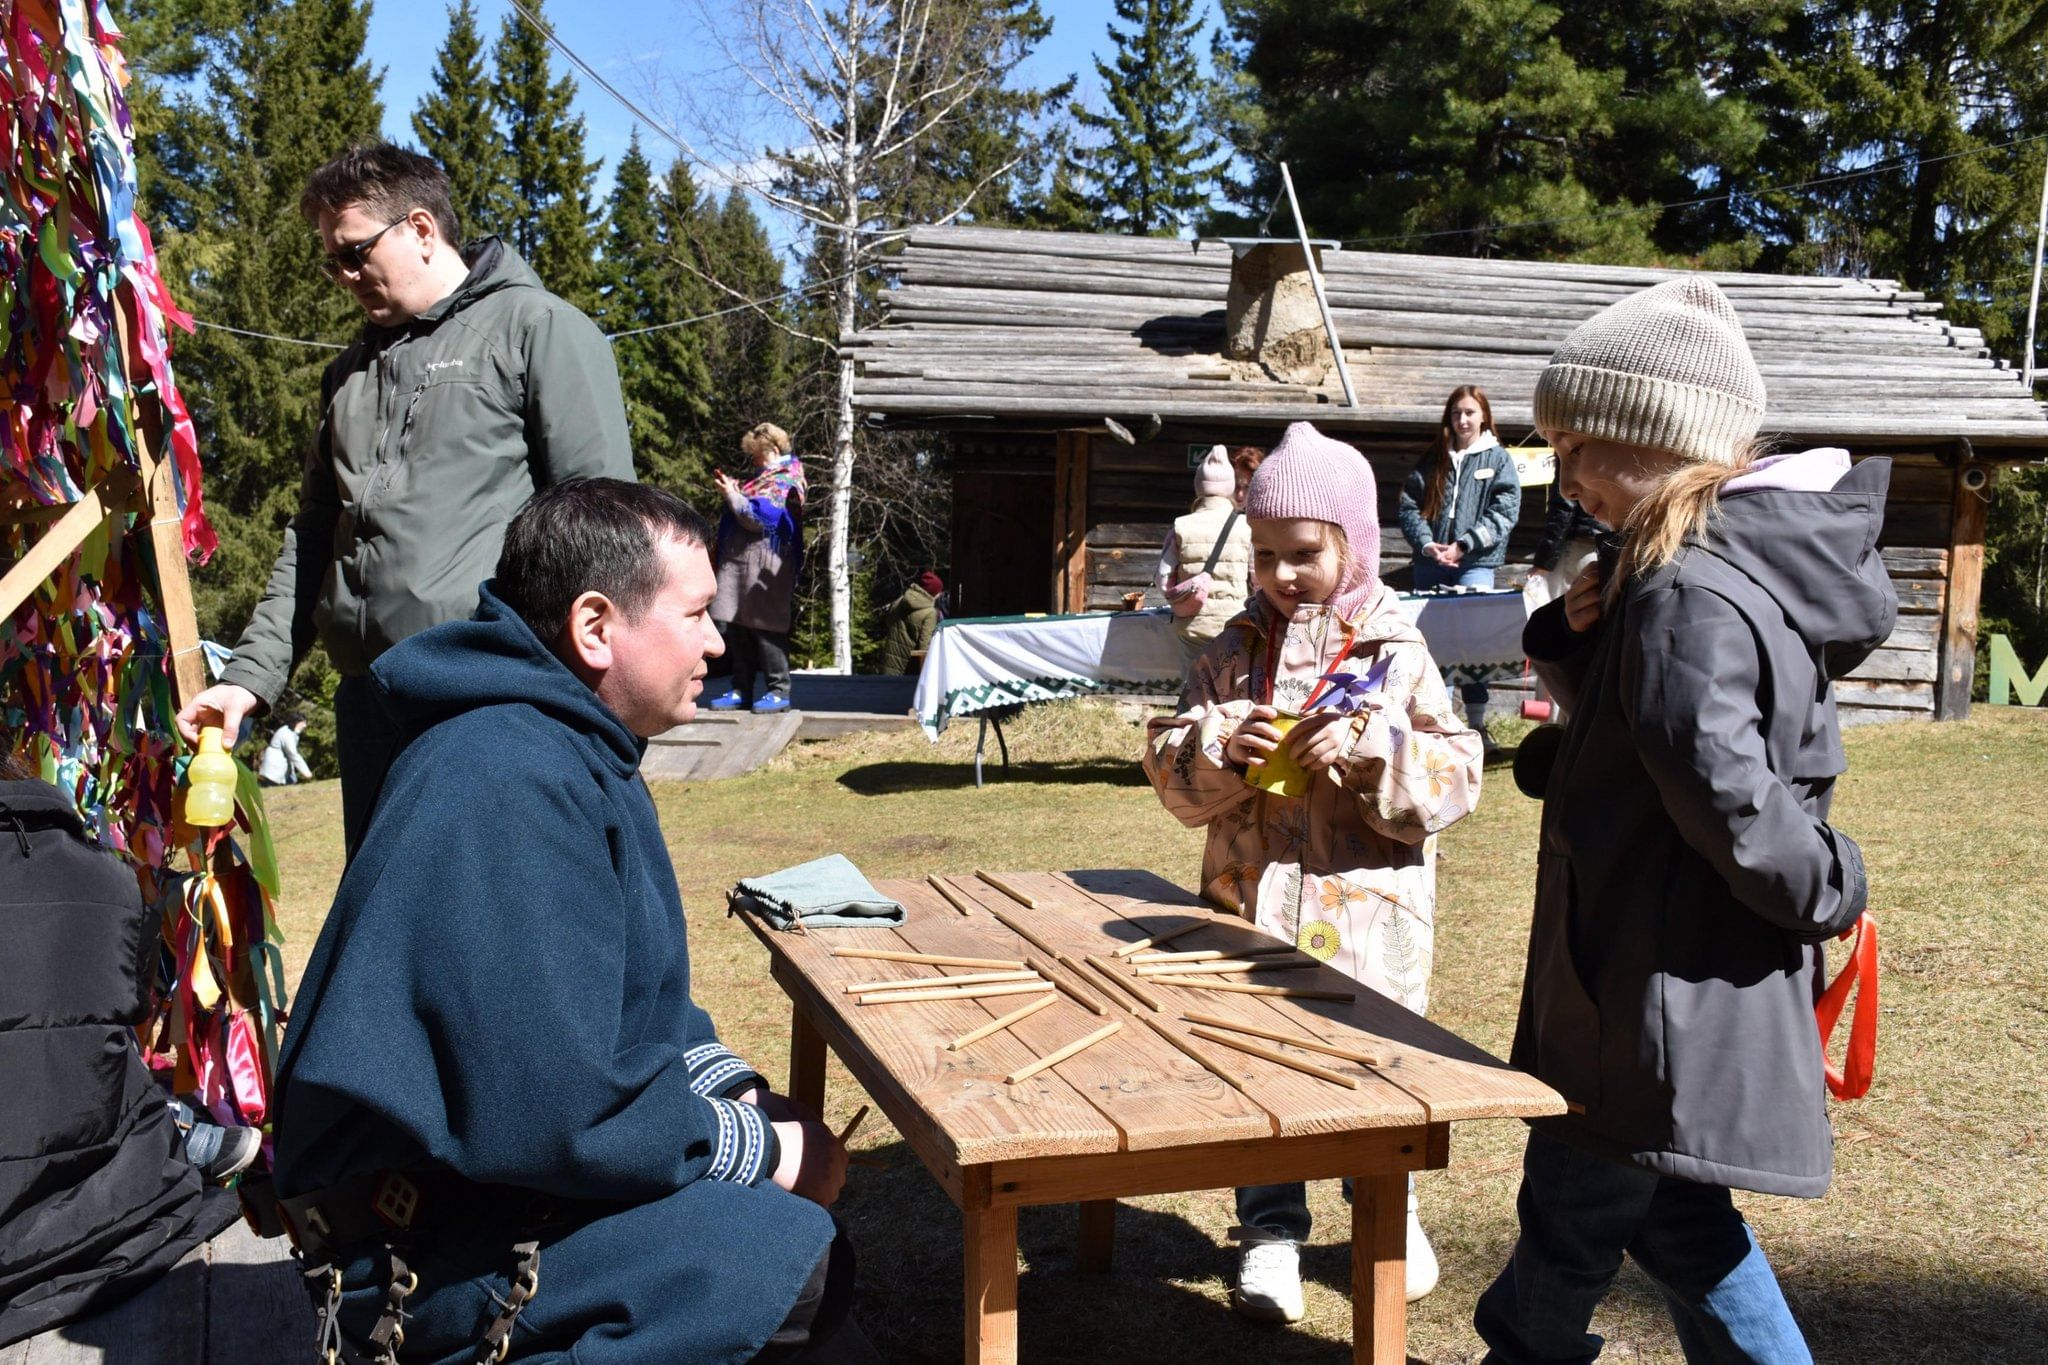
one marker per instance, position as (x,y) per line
(1347,872)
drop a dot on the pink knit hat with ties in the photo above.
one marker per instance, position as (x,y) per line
(1310,475)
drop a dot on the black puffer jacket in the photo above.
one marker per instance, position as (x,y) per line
(1687,870)
(96,1201)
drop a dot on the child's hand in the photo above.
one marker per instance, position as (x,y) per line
(1582,600)
(1255,738)
(1450,557)
(1317,741)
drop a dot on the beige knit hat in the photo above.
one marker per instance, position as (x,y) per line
(1666,368)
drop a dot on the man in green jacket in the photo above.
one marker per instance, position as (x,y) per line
(911,621)
(470,388)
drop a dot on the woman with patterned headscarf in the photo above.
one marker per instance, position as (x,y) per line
(760,549)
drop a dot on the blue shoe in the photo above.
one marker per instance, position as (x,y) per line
(731,701)
(769,704)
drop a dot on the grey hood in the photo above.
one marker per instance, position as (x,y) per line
(1803,527)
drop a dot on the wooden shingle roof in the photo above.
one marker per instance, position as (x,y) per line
(1043,330)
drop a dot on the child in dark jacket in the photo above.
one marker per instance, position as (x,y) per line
(1687,874)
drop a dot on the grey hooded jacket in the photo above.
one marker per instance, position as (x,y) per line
(432,435)
(1687,873)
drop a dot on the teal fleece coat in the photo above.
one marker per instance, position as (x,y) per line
(502,992)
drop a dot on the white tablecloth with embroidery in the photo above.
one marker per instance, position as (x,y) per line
(980,664)
(1473,636)
(985,663)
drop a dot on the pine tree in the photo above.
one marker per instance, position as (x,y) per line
(751,361)
(1153,167)
(551,222)
(664,374)
(457,126)
(1429,125)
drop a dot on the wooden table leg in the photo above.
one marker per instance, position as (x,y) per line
(991,1280)
(806,1061)
(1379,1269)
(1098,1235)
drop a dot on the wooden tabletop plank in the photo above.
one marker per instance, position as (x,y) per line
(944,1103)
(1156,1096)
(1296,1103)
(1451,1078)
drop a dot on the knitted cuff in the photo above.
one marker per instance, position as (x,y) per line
(747,1151)
(716,1071)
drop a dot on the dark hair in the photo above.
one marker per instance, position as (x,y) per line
(591,535)
(388,181)
(1437,463)
(16,768)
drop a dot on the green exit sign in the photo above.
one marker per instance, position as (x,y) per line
(1197,454)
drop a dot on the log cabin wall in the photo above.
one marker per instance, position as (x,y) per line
(1134,492)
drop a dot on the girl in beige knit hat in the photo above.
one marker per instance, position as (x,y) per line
(1687,872)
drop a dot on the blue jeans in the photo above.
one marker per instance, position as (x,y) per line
(1580,1214)
(1430,574)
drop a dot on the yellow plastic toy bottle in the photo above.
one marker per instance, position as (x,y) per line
(210,782)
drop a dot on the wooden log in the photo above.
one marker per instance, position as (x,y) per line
(1272,1054)
(1073,1049)
(995,1026)
(932,959)
(1958,666)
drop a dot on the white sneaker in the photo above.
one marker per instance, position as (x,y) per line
(1269,1282)
(1421,1257)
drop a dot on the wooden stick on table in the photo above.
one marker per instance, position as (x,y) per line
(1085,1001)
(1128,986)
(1250,988)
(1212,954)
(1189,1048)
(1021,932)
(1227,967)
(1169,936)
(995,1026)
(1274,1055)
(964,993)
(1027,901)
(932,959)
(919,982)
(1062,1054)
(1278,1036)
(953,898)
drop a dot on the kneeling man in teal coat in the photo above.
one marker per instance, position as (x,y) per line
(504,1127)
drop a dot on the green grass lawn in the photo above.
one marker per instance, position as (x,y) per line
(1932,1246)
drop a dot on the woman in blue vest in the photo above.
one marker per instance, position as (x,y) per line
(1457,509)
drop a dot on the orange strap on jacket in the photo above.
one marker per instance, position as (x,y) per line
(1851,1080)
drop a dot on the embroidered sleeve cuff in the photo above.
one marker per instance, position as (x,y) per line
(714,1071)
(747,1149)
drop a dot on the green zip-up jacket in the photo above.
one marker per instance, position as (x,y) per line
(432,435)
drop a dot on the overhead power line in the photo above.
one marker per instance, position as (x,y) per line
(1880,168)
(266,336)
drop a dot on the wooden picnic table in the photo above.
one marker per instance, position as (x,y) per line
(1150,1110)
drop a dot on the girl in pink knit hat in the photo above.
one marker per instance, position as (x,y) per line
(1317,744)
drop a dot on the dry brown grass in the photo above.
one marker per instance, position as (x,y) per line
(1931,1247)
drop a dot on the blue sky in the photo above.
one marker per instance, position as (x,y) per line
(638,45)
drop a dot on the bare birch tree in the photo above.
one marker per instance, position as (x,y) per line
(856,89)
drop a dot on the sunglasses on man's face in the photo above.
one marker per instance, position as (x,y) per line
(350,259)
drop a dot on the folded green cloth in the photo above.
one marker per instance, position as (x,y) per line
(825,893)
